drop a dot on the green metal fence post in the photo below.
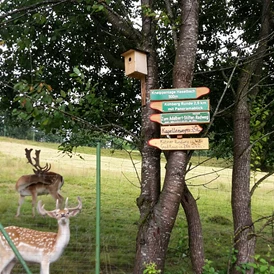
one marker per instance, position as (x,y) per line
(98,206)
(13,247)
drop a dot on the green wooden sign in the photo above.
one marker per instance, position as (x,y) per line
(181,106)
(177,94)
(181,118)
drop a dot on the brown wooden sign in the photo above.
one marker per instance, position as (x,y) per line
(180,144)
(181,130)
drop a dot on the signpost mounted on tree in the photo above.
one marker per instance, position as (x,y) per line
(181,115)
(181,118)
(177,106)
(181,130)
(177,93)
(180,144)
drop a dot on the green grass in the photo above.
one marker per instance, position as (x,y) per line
(119,213)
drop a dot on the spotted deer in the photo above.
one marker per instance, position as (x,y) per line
(41,182)
(38,246)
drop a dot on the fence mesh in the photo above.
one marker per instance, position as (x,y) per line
(211,186)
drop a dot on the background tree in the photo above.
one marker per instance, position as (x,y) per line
(246,93)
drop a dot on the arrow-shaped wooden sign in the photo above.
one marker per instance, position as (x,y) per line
(177,93)
(180,144)
(181,130)
(180,106)
(181,118)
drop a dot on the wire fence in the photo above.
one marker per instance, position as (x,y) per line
(211,186)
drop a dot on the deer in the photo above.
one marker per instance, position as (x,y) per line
(38,246)
(42,182)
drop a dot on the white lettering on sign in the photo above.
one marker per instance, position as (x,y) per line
(177,130)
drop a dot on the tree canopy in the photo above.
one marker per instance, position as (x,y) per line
(68,54)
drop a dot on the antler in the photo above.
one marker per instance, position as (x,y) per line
(43,212)
(78,207)
(37,168)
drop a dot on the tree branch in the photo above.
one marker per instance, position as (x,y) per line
(170,15)
(32,7)
(260,181)
(122,25)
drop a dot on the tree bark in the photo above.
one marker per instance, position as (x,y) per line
(195,233)
(147,241)
(244,239)
(243,226)
(182,77)
(158,210)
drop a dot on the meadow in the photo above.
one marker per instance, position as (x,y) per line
(210,183)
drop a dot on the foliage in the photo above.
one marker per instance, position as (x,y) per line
(55,44)
(261,265)
(151,269)
(261,154)
(62,114)
(208,268)
(40,61)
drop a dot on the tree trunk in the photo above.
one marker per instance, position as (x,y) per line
(147,242)
(182,77)
(195,233)
(244,239)
(243,226)
(158,210)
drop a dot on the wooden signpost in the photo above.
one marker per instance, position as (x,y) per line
(180,130)
(176,106)
(177,94)
(180,144)
(181,118)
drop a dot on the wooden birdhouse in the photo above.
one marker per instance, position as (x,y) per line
(135,63)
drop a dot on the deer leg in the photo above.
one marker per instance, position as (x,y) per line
(44,268)
(9,267)
(56,196)
(60,198)
(34,200)
(7,261)
(20,202)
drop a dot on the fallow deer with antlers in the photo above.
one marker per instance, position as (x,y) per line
(38,246)
(41,182)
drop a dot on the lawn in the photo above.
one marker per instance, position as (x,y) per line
(119,214)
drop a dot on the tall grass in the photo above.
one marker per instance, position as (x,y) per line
(119,213)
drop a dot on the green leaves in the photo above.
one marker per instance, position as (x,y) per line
(260,266)
(259,137)
(76,109)
(39,18)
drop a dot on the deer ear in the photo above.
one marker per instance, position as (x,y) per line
(74,212)
(51,214)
